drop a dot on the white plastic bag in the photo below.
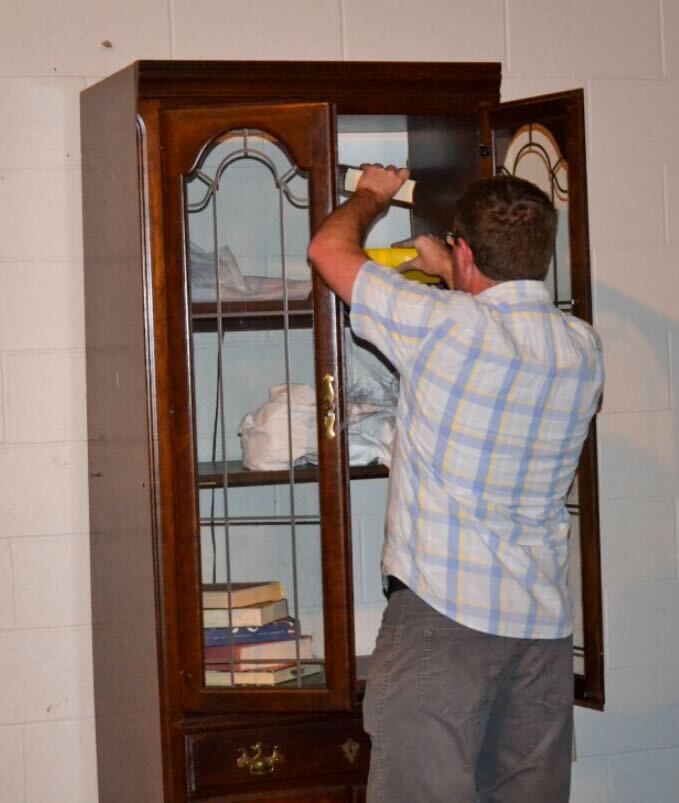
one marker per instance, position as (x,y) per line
(371,434)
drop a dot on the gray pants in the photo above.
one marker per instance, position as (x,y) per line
(460,716)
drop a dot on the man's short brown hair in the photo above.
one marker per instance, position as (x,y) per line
(510,226)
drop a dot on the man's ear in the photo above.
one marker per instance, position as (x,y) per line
(465,257)
(474,279)
(464,248)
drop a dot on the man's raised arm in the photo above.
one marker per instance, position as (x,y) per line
(336,249)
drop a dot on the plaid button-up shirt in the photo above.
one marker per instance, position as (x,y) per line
(497,393)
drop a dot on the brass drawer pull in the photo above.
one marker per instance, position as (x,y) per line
(257,763)
(328,406)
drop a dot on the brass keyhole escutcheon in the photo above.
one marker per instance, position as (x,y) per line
(350,749)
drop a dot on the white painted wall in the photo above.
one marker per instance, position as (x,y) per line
(625,53)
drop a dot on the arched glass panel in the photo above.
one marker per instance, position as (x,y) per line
(247,224)
(533,154)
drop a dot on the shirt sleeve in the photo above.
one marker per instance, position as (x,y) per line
(393,313)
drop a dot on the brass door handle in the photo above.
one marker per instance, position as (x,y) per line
(257,763)
(328,406)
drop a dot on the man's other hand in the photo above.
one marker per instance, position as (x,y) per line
(434,257)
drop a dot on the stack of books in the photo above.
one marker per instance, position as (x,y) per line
(250,638)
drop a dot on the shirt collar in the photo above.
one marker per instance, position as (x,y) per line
(515,292)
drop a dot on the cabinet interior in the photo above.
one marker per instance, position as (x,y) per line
(247,203)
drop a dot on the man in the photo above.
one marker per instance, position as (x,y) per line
(470,691)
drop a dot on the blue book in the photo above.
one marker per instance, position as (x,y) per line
(280,630)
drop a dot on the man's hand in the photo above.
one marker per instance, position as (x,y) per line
(434,257)
(382,182)
(336,250)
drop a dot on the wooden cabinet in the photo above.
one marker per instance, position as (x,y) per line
(228,401)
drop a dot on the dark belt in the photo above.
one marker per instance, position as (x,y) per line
(392,585)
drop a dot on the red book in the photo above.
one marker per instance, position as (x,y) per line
(272,651)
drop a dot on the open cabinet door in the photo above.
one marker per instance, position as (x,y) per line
(542,139)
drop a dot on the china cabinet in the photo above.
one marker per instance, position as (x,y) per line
(239,435)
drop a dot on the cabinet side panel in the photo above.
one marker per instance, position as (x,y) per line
(122,537)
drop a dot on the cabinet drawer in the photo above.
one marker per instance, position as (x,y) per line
(228,760)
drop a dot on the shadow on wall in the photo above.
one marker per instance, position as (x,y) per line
(638,431)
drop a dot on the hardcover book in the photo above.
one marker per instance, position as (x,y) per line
(274,651)
(236,595)
(280,630)
(247,616)
(272,676)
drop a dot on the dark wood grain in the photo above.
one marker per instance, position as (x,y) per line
(354,87)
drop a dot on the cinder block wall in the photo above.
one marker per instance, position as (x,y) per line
(625,53)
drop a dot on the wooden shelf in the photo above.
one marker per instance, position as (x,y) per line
(211,475)
(252,315)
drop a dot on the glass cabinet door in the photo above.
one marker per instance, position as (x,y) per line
(542,140)
(256,407)
(442,154)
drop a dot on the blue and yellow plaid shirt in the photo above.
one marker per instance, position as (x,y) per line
(497,393)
